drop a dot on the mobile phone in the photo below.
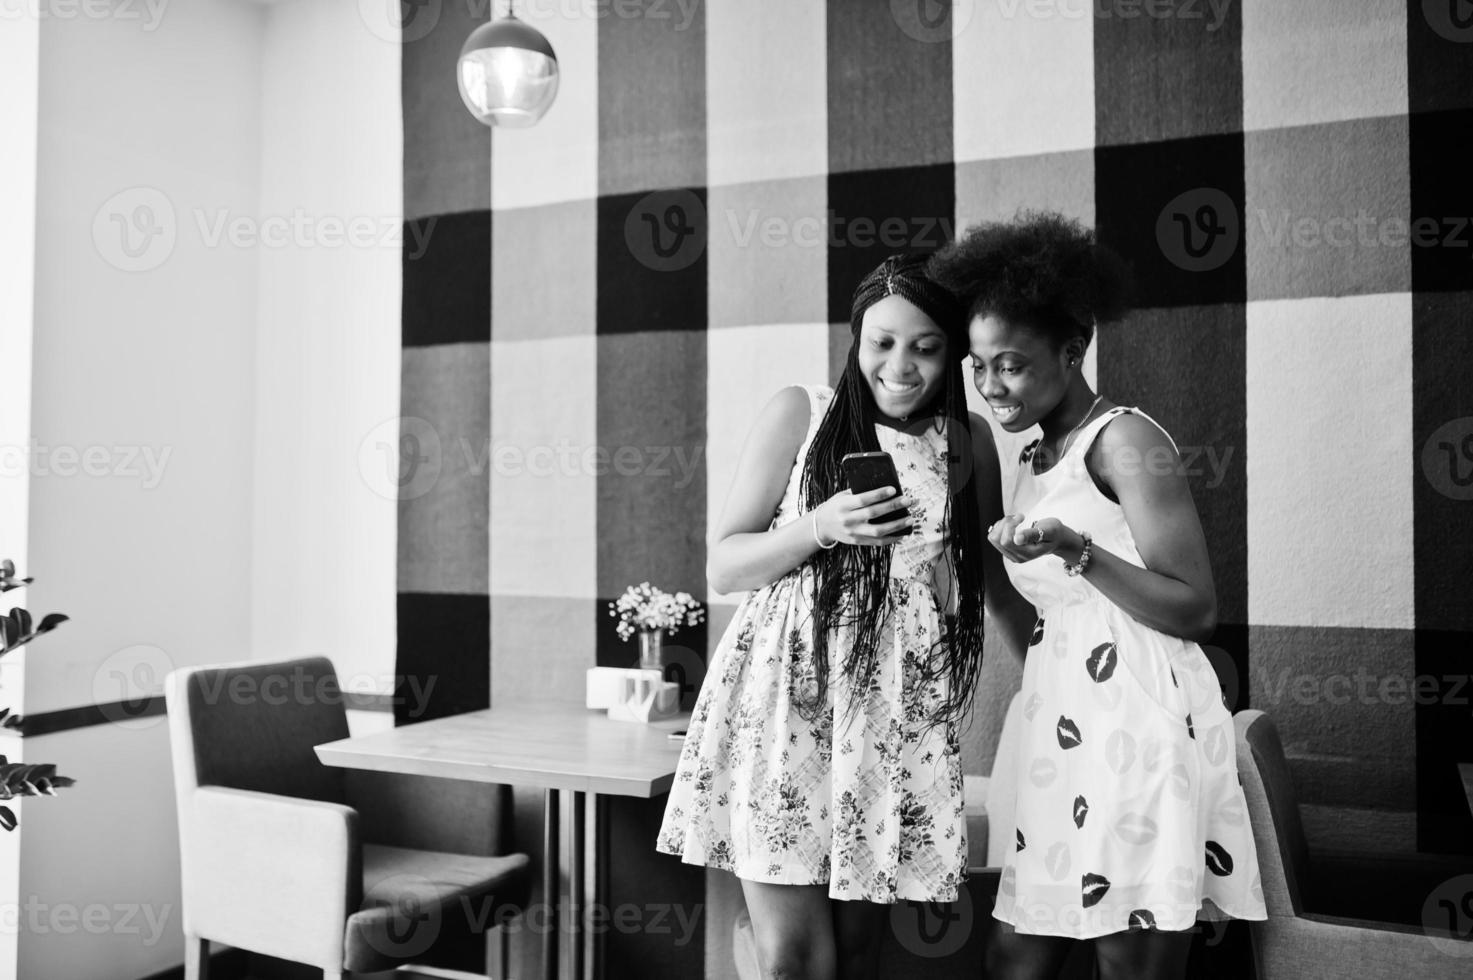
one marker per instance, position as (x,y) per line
(678,736)
(870,471)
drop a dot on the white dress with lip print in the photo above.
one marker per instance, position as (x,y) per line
(1129,811)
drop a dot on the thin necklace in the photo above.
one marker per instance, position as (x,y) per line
(1087,414)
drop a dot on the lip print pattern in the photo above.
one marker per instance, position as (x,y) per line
(1173,677)
(1107,696)
(1081,810)
(1120,751)
(1056,861)
(1092,888)
(1101,662)
(1191,732)
(1037,636)
(1178,781)
(1021,842)
(1042,772)
(1183,883)
(1031,706)
(1142,919)
(1068,733)
(1215,745)
(1136,828)
(1219,861)
(1007,884)
(1231,812)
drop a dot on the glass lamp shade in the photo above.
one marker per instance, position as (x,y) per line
(507,73)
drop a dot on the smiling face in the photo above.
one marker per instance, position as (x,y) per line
(1018,370)
(902,357)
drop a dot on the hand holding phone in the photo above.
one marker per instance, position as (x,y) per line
(872,482)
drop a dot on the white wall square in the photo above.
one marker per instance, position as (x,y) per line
(1329,478)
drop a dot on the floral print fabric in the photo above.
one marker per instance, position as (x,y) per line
(864,797)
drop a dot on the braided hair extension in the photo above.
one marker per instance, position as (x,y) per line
(853,583)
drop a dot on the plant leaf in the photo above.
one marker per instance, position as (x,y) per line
(51,621)
(7,818)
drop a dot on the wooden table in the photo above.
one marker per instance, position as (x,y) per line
(554,745)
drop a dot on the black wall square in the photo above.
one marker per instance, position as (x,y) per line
(447,279)
(445,648)
(876,213)
(1175,211)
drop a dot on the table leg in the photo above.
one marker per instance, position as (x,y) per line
(550,889)
(600,879)
(575,884)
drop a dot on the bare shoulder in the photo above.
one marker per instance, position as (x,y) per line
(783,421)
(1130,431)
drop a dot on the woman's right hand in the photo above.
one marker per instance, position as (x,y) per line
(845,517)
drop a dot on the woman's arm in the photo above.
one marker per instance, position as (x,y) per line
(1012,613)
(1174,592)
(744,553)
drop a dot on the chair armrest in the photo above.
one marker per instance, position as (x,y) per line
(272,874)
(1337,946)
(1378,886)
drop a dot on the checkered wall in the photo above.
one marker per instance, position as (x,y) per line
(607,299)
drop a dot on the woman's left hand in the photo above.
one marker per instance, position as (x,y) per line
(1046,536)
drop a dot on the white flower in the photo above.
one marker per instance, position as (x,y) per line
(645,607)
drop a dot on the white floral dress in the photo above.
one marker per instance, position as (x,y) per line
(1129,812)
(868,802)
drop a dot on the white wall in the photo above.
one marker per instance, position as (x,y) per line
(327,349)
(250,367)
(19,48)
(144,358)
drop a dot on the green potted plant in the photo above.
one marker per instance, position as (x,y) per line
(20,778)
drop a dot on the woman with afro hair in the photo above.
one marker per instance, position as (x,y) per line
(821,765)
(1131,824)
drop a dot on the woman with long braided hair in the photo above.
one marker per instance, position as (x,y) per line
(821,765)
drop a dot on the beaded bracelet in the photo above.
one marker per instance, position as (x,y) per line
(1078,567)
(818,539)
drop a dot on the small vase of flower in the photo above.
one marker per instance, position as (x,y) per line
(652,612)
